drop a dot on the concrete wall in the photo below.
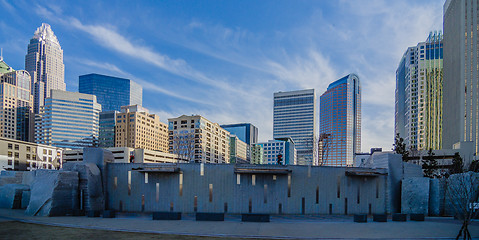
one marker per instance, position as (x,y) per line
(313,190)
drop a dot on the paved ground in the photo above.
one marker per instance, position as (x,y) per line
(281,227)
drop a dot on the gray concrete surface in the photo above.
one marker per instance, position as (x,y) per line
(284,227)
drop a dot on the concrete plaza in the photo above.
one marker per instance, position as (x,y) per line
(280,227)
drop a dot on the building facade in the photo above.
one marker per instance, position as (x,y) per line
(68,120)
(44,62)
(197,139)
(246,132)
(280,151)
(26,156)
(111,92)
(238,150)
(257,154)
(127,155)
(461,74)
(16,105)
(294,116)
(419,82)
(106,135)
(137,128)
(340,126)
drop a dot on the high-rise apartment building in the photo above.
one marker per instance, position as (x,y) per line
(106,135)
(246,132)
(294,116)
(281,150)
(16,104)
(257,154)
(419,80)
(196,139)
(137,128)
(461,73)
(68,120)
(238,150)
(340,122)
(111,92)
(44,62)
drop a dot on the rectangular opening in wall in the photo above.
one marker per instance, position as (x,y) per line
(211,192)
(115,182)
(181,184)
(171,206)
(338,192)
(317,194)
(120,208)
(330,209)
(265,193)
(238,179)
(195,204)
(303,205)
(359,194)
(157,192)
(377,187)
(146,177)
(129,183)
(370,209)
(253,180)
(280,208)
(250,205)
(274,177)
(143,203)
(226,207)
(345,206)
(289,185)
(202,169)
(309,171)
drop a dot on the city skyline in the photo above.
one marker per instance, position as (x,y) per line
(215,52)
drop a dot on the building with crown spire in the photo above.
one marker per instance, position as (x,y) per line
(419,91)
(44,62)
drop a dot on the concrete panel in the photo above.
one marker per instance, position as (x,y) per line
(415,195)
(11,195)
(90,184)
(434,197)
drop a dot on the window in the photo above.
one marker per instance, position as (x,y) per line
(17,155)
(17,147)
(10,154)
(28,149)
(10,146)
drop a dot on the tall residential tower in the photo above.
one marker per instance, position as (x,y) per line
(44,62)
(340,126)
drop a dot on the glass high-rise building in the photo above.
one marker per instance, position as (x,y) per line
(246,132)
(294,116)
(68,120)
(340,122)
(111,92)
(419,81)
(106,136)
(461,73)
(44,62)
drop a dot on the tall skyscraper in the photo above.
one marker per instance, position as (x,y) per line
(294,116)
(340,126)
(419,80)
(246,132)
(16,104)
(44,62)
(461,73)
(111,92)
(106,135)
(68,120)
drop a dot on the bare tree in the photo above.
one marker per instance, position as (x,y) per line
(462,191)
(324,145)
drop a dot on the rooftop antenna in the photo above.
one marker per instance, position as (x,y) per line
(1,54)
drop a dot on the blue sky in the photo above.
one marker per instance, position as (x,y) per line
(225,59)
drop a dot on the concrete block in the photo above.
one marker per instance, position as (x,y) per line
(200,216)
(109,214)
(417,217)
(90,184)
(399,217)
(254,217)
(11,195)
(28,177)
(25,198)
(434,197)
(380,217)
(53,193)
(166,215)
(415,195)
(10,177)
(360,218)
(93,213)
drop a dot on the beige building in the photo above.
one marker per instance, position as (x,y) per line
(257,154)
(197,139)
(238,150)
(16,104)
(128,155)
(136,128)
(27,156)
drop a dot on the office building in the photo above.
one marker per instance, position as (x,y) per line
(68,120)
(461,86)
(16,104)
(111,92)
(280,151)
(246,132)
(238,150)
(137,128)
(26,156)
(197,139)
(106,135)
(294,116)
(257,154)
(419,78)
(44,62)
(340,122)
